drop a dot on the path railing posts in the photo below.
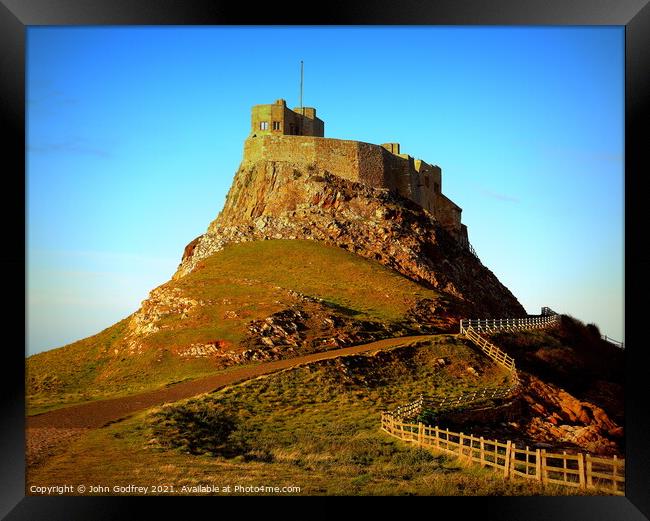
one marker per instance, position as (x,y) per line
(591,472)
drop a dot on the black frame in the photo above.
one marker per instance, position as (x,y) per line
(15,15)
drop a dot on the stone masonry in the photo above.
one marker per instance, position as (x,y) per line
(279,134)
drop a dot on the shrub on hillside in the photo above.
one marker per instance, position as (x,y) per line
(428,418)
(593,330)
(198,428)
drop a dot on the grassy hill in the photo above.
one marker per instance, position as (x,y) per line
(241,284)
(315,426)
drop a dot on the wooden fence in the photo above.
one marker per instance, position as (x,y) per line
(490,349)
(492,325)
(450,401)
(415,407)
(573,470)
(618,344)
(471,328)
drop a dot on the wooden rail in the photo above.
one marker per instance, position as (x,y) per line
(573,470)
(414,408)
(490,349)
(493,325)
(618,344)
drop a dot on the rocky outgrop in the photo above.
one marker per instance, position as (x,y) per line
(557,415)
(281,200)
(162,301)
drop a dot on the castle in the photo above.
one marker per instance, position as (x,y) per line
(281,134)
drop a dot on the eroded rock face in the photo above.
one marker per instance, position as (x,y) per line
(278,200)
(281,200)
(204,350)
(307,324)
(314,327)
(162,301)
(558,416)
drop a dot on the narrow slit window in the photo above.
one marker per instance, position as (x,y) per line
(264,125)
(276,125)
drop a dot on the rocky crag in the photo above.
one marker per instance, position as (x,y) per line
(293,200)
(281,200)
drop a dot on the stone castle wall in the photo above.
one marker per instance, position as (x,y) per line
(373,165)
(280,119)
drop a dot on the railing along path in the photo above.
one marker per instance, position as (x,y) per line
(574,470)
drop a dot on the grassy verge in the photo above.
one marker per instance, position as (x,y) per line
(315,427)
(243,283)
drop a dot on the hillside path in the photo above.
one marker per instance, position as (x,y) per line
(99,413)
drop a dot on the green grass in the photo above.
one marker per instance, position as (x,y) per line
(316,427)
(242,283)
(363,287)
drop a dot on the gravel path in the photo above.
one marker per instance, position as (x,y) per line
(43,442)
(99,413)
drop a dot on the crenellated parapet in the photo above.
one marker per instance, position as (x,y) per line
(297,136)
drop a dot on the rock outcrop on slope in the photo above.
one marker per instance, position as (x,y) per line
(283,200)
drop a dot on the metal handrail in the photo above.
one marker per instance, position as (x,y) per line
(618,344)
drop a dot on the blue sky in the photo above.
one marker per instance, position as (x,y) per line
(134,136)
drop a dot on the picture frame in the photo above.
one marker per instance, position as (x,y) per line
(17,15)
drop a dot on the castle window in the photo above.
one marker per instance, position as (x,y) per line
(264,125)
(276,125)
(436,187)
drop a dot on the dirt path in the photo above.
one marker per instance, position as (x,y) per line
(96,414)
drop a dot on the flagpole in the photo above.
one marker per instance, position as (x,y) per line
(301,77)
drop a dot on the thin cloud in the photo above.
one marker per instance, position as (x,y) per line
(72,146)
(500,197)
(583,155)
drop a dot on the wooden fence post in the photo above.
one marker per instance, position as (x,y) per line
(614,473)
(590,482)
(420,433)
(460,442)
(542,465)
(538,465)
(506,470)
(436,437)
(581,468)
(482,453)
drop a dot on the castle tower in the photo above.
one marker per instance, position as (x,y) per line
(279,133)
(277,118)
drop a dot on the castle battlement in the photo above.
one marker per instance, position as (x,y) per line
(380,166)
(278,119)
